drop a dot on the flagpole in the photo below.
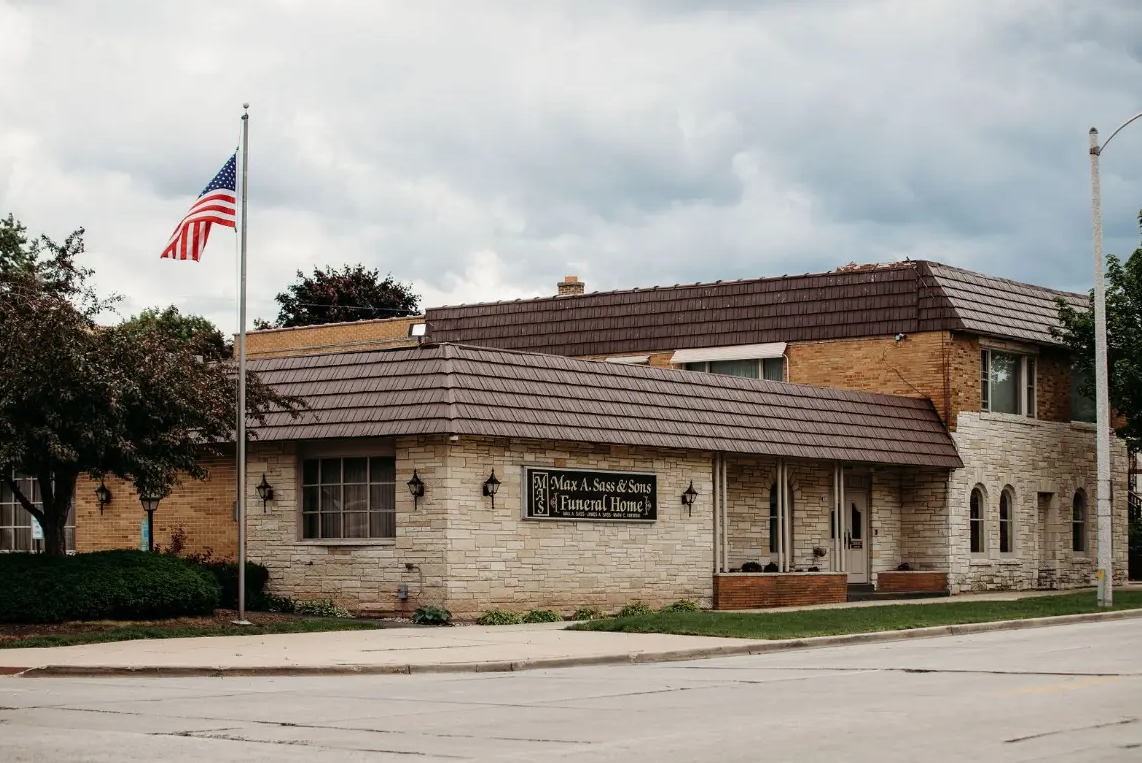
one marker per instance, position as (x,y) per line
(241,433)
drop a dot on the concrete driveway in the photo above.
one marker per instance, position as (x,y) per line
(1068,693)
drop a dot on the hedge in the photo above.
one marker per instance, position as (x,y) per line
(226,573)
(106,585)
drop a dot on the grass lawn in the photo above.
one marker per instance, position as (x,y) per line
(70,634)
(832,622)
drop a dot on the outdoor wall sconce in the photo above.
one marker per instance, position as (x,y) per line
(491,487)
(688,498)
(103,495)
(416,487)
(265,492)
(150,504)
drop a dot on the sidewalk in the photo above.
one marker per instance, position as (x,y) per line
(458,649)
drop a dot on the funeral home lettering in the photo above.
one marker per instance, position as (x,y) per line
(590,495)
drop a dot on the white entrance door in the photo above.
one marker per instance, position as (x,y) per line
(856,536)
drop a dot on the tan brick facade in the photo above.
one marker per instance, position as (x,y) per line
(331,337)
(203,510)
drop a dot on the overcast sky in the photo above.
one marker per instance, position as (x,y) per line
(483,150)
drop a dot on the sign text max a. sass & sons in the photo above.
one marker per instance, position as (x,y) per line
(589,495)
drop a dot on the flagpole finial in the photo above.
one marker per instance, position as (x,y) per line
(246,106)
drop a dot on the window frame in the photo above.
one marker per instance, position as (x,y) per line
(1026,382)
(1082,526)
(1007,499)
(761,363)
(977,508)
(17,511)
(369,456)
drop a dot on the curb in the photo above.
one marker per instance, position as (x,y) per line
(750,647)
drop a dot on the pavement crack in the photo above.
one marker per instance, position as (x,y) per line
(1056,732)
(308,743)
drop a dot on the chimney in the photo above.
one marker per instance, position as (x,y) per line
(571,285)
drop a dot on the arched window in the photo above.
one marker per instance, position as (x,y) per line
(773,515)
(976,521)
(1078,524)
(1006,522)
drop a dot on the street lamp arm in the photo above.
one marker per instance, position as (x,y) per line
(1099,149)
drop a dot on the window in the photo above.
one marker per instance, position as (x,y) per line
(1078,524)
(978,535)
(1082,405)
(771,369)
(16,522)
(773,515)
(1006,523)
(1007,383)
(349,498)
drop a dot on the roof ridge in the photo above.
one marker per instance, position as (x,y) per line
(872,268)
(449,386)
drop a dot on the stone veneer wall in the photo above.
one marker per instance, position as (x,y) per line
(468,557)
(497,559)
(362,575)
(1043,463)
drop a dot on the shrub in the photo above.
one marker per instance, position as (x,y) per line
(432,616)
(226,573)
(771,567)
(499,617)
(751,567)
(106,585)
(271,603)
(638,609)
(542,616)
(587,613)
(682,605)
(320,608)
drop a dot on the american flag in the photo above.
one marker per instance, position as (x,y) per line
(215,205)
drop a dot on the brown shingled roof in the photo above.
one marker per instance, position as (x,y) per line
(902,297)
(450,389)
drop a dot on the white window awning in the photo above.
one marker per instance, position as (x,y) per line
(631,360)
(736,352)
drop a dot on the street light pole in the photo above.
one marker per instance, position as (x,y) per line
(1102,428)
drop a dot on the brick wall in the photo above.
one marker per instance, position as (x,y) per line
(204,510)
(764,590)
(911,367)
(1053,385)
(331,337)
(912,582)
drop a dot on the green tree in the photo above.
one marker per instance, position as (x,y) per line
(188,328)
(14,250)
(1124,342)
(334,296)
(136,401)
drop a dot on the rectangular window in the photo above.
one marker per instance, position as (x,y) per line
(349,498)
(1082,406)
(1007,383)
(16,523)
(771,369)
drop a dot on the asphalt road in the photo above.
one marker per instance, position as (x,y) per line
(1071,693)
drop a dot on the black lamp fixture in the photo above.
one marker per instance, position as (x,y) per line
(688,498)
(103,495)
(491,487)
(265,492)
(150,504)
(416,487)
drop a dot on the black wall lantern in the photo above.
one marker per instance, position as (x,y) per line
(688,498)
(416,487)
(491,487)
(103,495)
(265,492)
(150,505)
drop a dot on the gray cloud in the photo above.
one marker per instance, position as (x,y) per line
(486,149)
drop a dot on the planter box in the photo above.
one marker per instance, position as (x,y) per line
(912,581)
(759,590)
